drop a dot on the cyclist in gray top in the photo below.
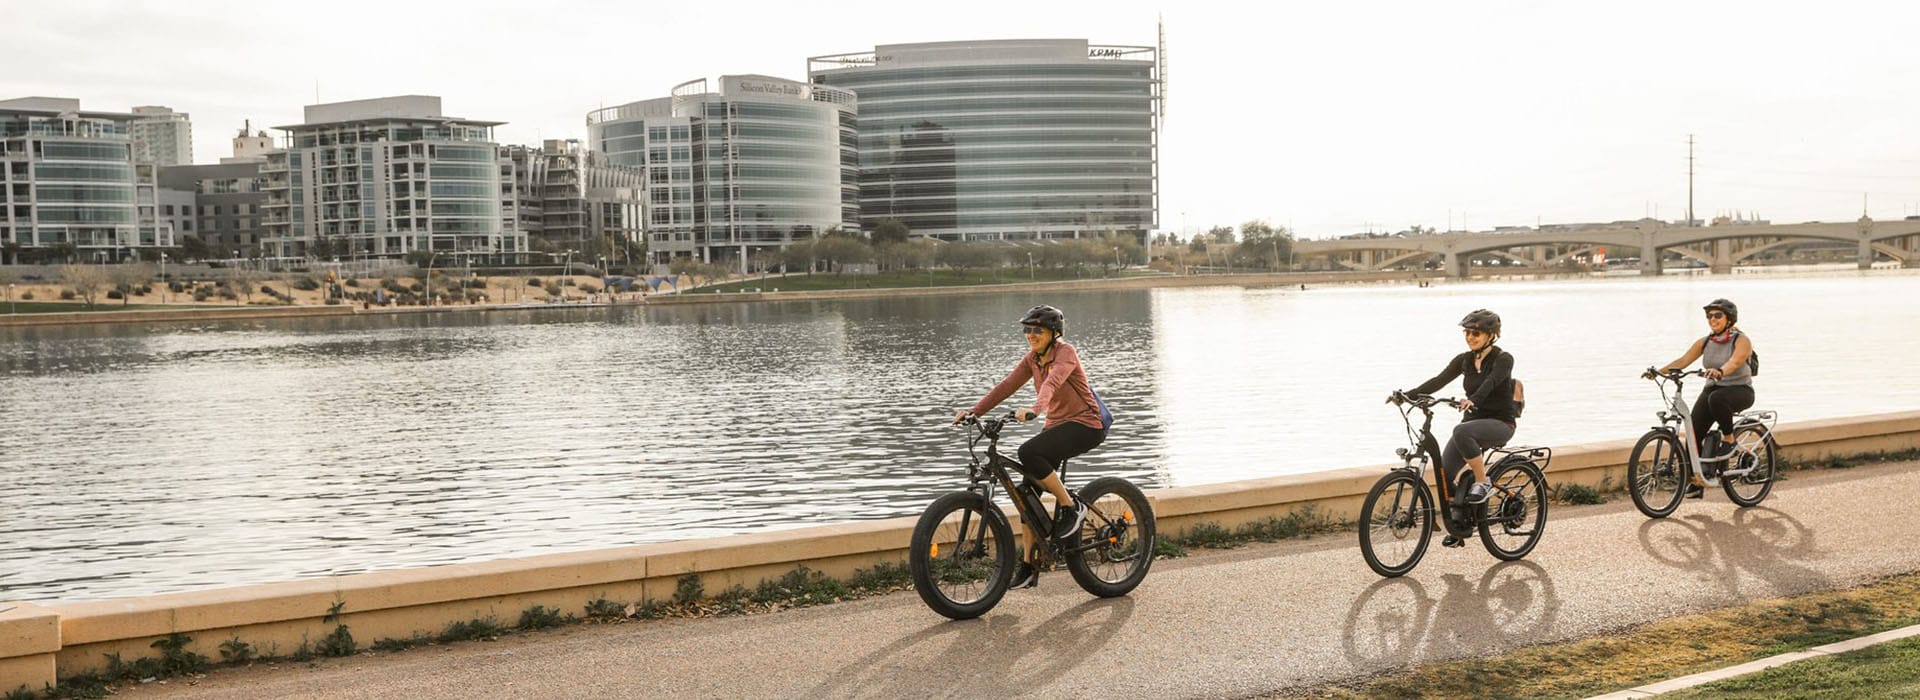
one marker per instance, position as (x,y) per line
(1724,356)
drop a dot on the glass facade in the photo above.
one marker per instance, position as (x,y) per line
(387,186)
(750,168)
(1004,140)
(69,178)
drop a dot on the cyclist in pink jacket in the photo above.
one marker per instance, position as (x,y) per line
(1075,423)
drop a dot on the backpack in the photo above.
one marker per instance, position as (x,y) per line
(1106,416)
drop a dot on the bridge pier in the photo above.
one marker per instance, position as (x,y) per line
(1457,266)
(1866,255)
(1722,257)
(1649,255)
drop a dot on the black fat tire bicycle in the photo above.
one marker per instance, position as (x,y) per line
(1397,518)
(963,550)
(1666,459)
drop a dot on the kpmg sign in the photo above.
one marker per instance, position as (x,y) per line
(772,88)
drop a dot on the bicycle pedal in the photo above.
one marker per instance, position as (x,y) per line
(1451,541)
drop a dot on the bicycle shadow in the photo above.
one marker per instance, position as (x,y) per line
(997,656)
(1765,543)
(1394,622)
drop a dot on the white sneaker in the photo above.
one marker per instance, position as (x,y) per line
(1479,492)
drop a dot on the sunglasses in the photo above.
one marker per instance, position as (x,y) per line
(1473,331)
(1032,330)
(1715,314)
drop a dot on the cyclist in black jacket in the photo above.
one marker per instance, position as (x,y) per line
(1489,405)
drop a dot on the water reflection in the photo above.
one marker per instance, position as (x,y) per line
(172,457)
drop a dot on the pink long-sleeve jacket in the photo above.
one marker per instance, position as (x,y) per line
(1064,396)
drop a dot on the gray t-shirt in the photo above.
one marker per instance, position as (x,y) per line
(1715,355)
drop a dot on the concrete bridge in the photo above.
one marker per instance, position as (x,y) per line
(1720,247)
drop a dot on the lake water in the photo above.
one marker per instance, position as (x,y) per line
(149,459)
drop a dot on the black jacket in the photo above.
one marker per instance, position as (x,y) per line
(1490,388)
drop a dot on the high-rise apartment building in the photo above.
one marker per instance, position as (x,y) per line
(995,140)
(161,136)
(750,167)
(70,188)
(384,177)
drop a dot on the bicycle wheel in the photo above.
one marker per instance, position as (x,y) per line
(961,555)
(1657,474)
(1396,523)
(1120,519)
(1752,448)
(1516,514)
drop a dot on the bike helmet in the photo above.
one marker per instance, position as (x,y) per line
(1725,307)
(1482,320)
(1046,317)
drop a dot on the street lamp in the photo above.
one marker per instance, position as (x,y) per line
(427,282)
(1029,266)
(11,307)
(163,278)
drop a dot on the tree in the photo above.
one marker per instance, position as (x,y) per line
(10,252)
(241,280)
(128,277)
(1221,234)
(688,267)
(798,255)
(890,231)
(971,255)
(1263,245)
(86,280)
(840,250)
(194,248)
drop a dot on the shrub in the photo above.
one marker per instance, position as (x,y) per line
(26,296)
(333,301)
(176,287)
(115,294)
(306,284)
(201,295)
(553,290)
(67,295)
(534,282)
(234,651)
(540,617)
(417,288)
(228,294)
(590,289)
(569,282)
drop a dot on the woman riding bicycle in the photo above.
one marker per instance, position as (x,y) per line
(1074,423)
(1490,407)
(1723,355)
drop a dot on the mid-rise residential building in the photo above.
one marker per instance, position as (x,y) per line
(161,136)
(747,168)
(381,178)
(70,186)
(573,198)
(224,205)
(1016,139)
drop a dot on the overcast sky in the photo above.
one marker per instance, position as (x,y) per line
(1332,117)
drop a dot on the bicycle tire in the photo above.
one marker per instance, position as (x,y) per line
(1648,474)
(1409,513)
(1119,512)
(973,535)
(1518,506)
(1748,490)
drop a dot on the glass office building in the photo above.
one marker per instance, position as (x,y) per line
(745,169)
(998,140)
(70,185)
(1005,139)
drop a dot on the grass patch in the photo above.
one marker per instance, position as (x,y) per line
(541,617)
(481,628)
(1307,521)
(887,280)
(1658,651)
(1579,495)
(44,307)
(1884,671)
(391,644)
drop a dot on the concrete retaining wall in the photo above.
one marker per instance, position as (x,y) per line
(38,641)
(171,315)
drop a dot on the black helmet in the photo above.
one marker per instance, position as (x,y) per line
(1482,320)
(1046,317)
(1725,307)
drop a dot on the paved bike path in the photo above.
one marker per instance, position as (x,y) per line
(1247,622)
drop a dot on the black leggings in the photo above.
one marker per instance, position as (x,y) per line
(1718,404)
(1470,438)
(1042,454)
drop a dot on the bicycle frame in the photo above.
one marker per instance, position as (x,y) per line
(1678,414)
(1425,450)
(997,470)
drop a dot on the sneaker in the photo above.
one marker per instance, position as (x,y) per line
(1067,519)
(1025,576)
(1696,491)
(1451,541)
(1479,492)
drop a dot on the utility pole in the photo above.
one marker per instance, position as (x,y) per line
(1689,180)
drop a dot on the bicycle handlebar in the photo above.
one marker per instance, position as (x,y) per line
(1672,374)
(1425,400)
